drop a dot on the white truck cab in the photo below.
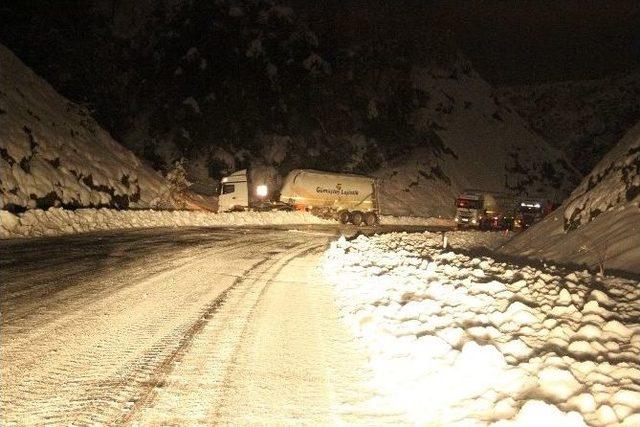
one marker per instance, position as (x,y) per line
(234,192)
(469,209)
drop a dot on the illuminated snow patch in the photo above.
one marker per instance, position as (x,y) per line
(54,221)
(456,339)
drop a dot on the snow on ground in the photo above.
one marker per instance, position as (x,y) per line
(57,221)
(600,222)
(54,221)
(52,153)
(416,220)
(460,340)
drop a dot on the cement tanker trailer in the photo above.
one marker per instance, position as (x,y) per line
(345,197)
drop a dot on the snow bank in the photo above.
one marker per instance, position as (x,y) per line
(52,153)
(600,222)
(54,221)
(416,220)
(455,339)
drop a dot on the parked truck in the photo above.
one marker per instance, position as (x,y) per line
(345,197)
(531,211)
(485,210)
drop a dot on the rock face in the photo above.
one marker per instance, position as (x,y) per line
(585,119)
(599,224)
(52,153)
(613,184)
(470,139)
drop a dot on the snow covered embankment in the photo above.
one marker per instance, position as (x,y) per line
(599,224)
(55,221)
(52,153)
(457,339)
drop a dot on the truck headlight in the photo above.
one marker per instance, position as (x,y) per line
(262,190)
(473,221)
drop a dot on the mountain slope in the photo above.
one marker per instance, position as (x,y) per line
(237,84)
(53,154)
(600,222)
(585,119)
(470,140)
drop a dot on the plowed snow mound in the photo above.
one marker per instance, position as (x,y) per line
(52,222)
(458,340)
(599,224)
(52,153)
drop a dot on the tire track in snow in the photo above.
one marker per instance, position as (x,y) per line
(276,353)
(224,328)
(161,371)
(94,366)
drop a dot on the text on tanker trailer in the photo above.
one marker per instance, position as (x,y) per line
(346,197)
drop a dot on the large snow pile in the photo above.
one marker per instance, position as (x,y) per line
(53,154)
(54,221)
(470,140)
(599,224)
(585,119)
(459,340)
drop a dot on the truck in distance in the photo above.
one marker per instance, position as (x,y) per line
(485,210)
(529,212)
(345,197)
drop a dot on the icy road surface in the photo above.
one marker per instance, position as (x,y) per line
(177,327)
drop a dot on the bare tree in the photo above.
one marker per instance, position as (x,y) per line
(178,184)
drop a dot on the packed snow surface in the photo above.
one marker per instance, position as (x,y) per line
(52,153)
(55,221)
(599,224)
(457,339)
(416,220)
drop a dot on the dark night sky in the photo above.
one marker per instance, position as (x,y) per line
(509,42)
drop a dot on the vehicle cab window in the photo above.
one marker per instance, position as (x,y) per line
(469,204)
(228,188)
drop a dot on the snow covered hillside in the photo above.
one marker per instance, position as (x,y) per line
(469,140)
(457,339)
(241,84)
(585,119)
(599,224)
(52,153)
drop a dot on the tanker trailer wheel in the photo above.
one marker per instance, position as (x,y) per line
(356,218)
(344,217)
(371,219)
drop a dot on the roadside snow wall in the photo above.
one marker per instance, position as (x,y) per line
(52,153)
(54,221)
(454,339)
(599,224)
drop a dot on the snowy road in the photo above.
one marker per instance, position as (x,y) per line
(176,326)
